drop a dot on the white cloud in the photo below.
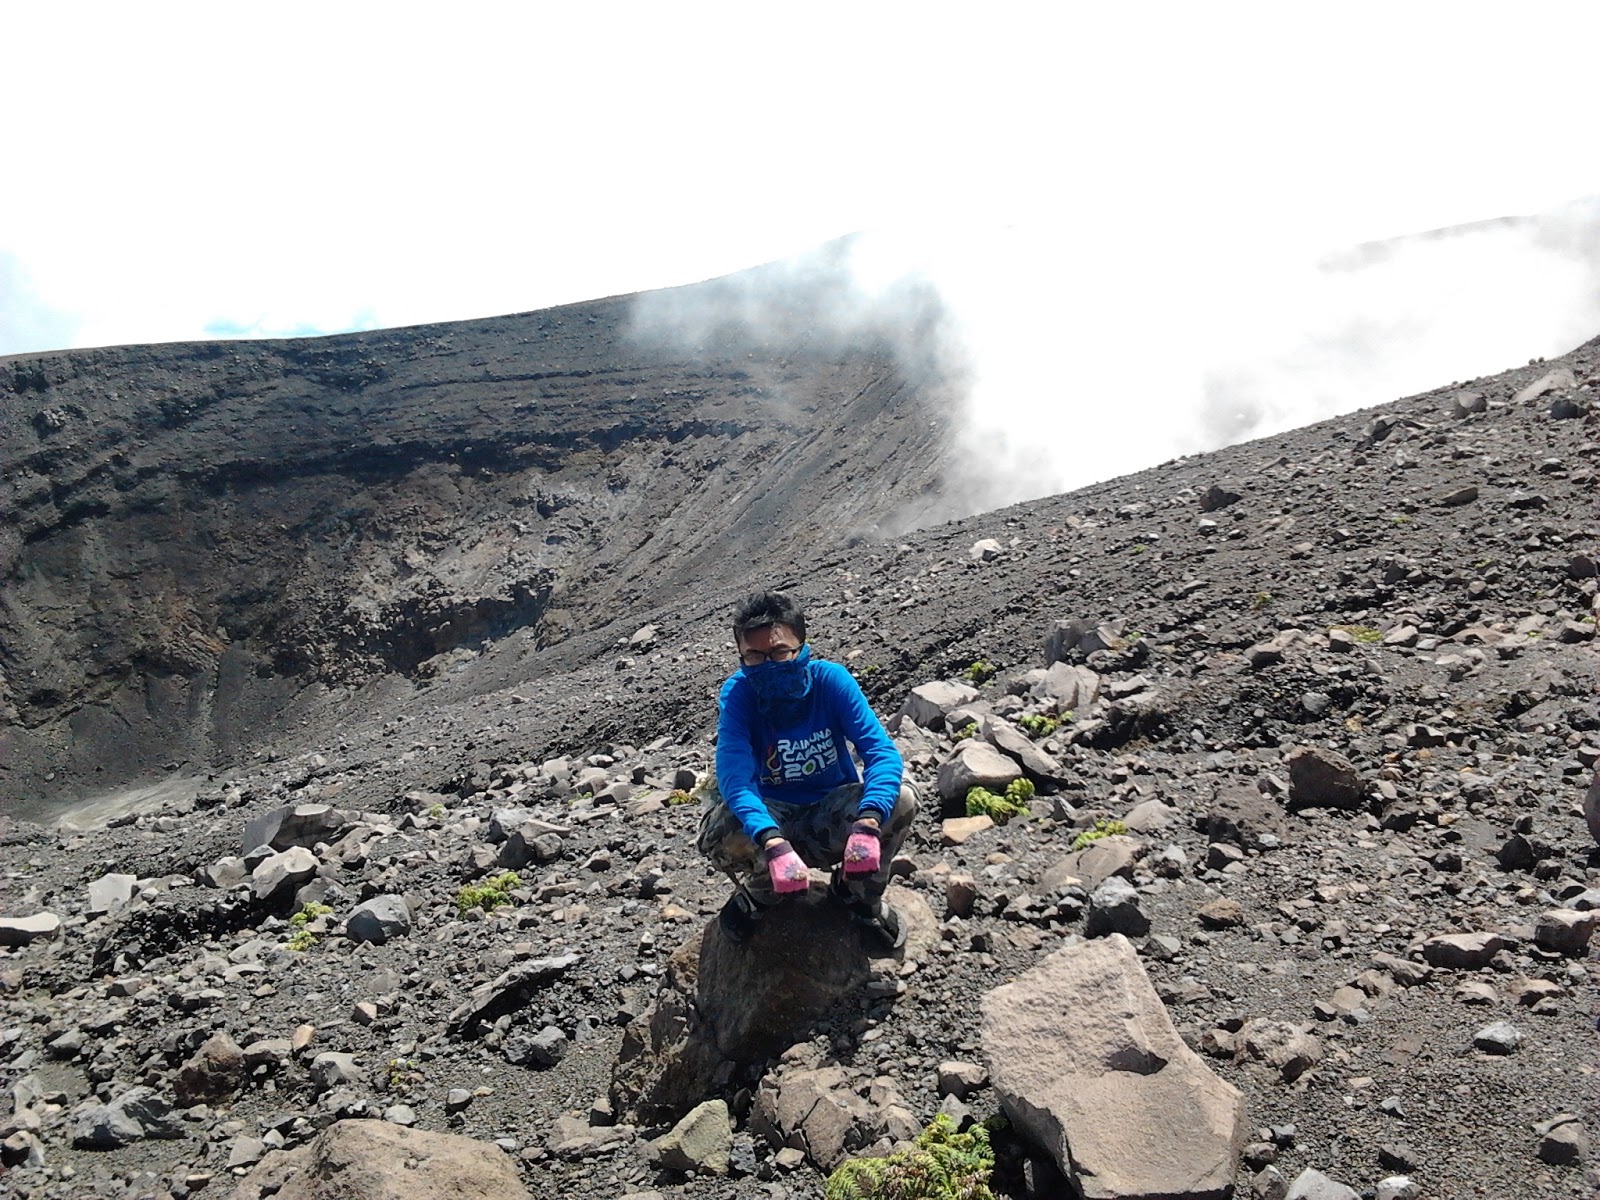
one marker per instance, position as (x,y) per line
(1124,204)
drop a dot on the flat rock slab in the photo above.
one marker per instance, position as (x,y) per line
(1087,1063)
(379,1160)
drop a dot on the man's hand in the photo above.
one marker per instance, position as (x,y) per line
(786,868)
(863,852)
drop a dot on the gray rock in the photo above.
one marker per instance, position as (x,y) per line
(21,931)
(227,872)
(1096,862)
(1463,951)
(302,825)
(379,919)
(1292,1050)
(1562,1140)
(1502,1037)
(974,764)
(1558,380)
(380,1160)
(507,991)
(1397,1187)
(701,1141)
(1015,744)
(985,550)
(212,1075)
(137,1113)
(1114,908)
(929,702)
(1086,1063)
(1241,815)
(1565,930)
(110,892)
(544,1048)
(961,1079)
(280,874)
(1067,688)
(1320,778)
(1312,1184)
(332,1069)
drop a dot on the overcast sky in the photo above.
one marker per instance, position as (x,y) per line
(1139,213)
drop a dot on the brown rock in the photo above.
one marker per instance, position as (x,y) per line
(1095,863)
(1320,778)
(957,831)
(974,764)
(378,1160)
(212,1075)
(1565,930)
(1221,913)
(1463,951)
(1088,1066)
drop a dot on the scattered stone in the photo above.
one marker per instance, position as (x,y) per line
(1558,380)
(1221,913)
(277,876)
(21,931)
(1114,908)
(1565,930)
(1463,951)
(974,764)
(110,892)
(1500,1038)
(1397,1187)
(1320,778)
(1562,1140)
(961,1079)
(1312,1184)
(1291,1049)
(302,825)
(958,831)
(702,1141)
(929,702)
(212,1075)
(379,919)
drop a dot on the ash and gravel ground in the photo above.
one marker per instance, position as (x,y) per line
(1486,603)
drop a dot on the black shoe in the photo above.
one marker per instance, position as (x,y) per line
(882,920)
(739,917)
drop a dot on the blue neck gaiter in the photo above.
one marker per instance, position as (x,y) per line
(781,685)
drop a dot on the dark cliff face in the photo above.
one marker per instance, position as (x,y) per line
(199,540)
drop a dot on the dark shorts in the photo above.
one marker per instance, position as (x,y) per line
(817,832)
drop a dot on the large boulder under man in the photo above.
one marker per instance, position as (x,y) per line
(788,794)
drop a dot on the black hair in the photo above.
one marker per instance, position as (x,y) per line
(761,609)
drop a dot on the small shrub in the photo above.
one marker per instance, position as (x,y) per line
(943,1165)
(1103,828)
(1037,725)
(981,671)
(1139,548)
(966,731)
(678,796)
(490,894)
(1364,634)
(302,939)
(435,811)
(1260,601)
(981,802)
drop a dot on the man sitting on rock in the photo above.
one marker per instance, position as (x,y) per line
(790,795)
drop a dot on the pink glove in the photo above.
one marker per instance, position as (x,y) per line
(862,852)
(788,872)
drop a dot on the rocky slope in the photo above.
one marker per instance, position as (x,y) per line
(1339,684)
(198,540)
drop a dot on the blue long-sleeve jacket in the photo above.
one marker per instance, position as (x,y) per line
(807,756)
